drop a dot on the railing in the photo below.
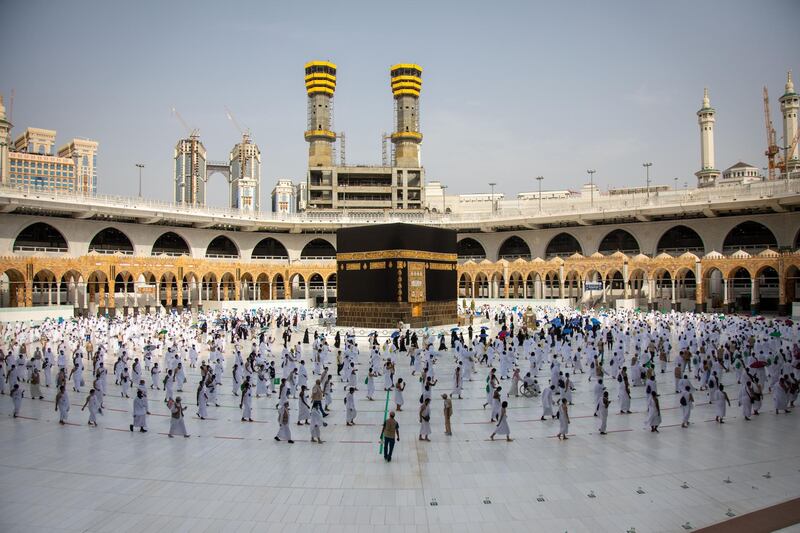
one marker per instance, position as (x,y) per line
(475,212)
(45,249)
(107,251)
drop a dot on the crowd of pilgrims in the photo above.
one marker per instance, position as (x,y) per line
(608,349)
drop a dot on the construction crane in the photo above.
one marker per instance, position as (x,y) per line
(192,132)
(244,132)
(772,145)
(784,161)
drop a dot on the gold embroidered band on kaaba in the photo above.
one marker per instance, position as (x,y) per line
(397,254)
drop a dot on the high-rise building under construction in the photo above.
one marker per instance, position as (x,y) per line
(397,183)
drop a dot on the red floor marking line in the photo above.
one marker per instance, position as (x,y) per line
(555,436)
(356,441)
(72,424)
(118,429)
(618,430)
(226,437)
(27,417)
(479,422)
(669,425)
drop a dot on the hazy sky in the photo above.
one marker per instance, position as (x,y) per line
(511,90)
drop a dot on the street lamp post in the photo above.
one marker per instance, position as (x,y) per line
(591,185)
(492,184)
(539,179)
(140,166)
(443,199)
(647,178)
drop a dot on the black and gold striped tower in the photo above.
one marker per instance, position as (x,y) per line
(406,86)
(320,85)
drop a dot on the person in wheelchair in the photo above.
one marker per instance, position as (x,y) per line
(530,387)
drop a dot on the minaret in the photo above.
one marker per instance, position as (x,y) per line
(5,141)
(320,85)
(406,86)
(707,175)
(790,104)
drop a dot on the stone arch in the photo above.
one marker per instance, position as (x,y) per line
(330,286)
(209,286)
(572,284)
(552,285)
(227,286)
(482,285)
(465,285)
(13,289)
(686,283)
(247,286)
(679,240)
(263,286)
(767,289)
(516,284)
(637,282)
(532,286)
(111,241)
(741,287)
(222,247)
(297,286)
(279,286)
(171,244)
(619,240)
(562,245)
(468,248)
(168,289)
(270,248)
(97,289)
(40,237)
(43,285)
(750,236)
(318,249)
(514,247)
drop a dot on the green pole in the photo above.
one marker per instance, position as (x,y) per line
(385,416)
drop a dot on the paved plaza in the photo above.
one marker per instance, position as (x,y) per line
(232,476)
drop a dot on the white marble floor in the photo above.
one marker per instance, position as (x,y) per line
(232,476)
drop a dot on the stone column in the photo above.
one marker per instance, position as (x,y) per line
(603,281)
(111,293)
(28,293)
(699,301)
(625,281)
(49,294)
(725,296)
(784,308)
(324,291)
(219,291)
(754,299)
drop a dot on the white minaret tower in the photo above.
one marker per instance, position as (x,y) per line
(707,175)
(5,141)
(790,104)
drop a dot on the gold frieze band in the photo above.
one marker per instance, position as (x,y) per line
(397,254)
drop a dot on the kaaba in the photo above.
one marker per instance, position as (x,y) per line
(391,273)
